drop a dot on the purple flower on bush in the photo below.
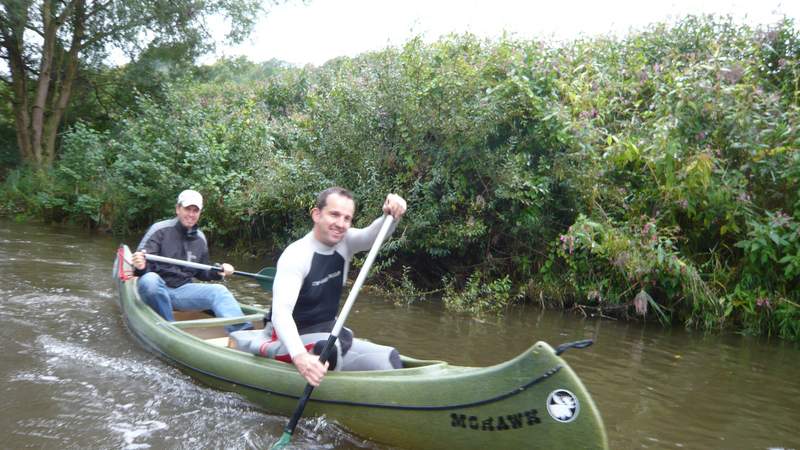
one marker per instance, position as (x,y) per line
(621,259)
(567,242)
(781,219)
(732,74)
(763,302)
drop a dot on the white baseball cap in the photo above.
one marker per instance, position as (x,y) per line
(190,197)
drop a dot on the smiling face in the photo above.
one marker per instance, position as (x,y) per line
(187,216)
(333,220)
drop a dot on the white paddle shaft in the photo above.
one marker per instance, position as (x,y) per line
(362,275)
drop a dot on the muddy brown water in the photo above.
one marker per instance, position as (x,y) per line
(73,377)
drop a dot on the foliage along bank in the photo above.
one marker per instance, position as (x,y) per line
(655,174)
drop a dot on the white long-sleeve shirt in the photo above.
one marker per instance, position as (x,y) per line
(309,280)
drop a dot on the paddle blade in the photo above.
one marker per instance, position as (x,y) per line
(285,440)
(268,274)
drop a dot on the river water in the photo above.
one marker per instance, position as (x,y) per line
(73,377)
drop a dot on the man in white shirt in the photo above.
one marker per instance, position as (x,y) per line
(310,276)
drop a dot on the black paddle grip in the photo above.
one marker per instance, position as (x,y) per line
(576,344)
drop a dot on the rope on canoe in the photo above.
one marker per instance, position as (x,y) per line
(496,398)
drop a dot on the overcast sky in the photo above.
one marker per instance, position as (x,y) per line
(318,30)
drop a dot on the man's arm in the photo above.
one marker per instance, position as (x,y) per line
(285,289)
(151,243)
(361,239)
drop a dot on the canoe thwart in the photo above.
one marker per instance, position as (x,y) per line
(215,321)
(221,342)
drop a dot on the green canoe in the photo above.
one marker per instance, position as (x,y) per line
(532,401)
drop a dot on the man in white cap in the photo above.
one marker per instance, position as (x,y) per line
(167,286)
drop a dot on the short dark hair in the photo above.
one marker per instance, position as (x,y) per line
(322,197)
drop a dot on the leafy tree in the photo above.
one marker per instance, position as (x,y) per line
(46,42)
(8,152)
(240,70)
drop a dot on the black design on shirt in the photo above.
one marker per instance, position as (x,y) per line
(319,296)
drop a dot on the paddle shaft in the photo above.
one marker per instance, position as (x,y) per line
(362,275)
(337,327)
(194,265)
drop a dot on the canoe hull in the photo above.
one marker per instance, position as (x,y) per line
(532,401)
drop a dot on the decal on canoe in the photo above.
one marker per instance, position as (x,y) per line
(496,423)
(563,405)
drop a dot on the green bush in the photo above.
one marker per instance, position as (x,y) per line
(478,296)
(651,175)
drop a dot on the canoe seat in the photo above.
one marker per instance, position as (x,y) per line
(221,342)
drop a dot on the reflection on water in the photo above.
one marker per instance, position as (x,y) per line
(72,377)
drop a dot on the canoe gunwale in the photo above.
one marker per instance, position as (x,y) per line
(486,401)
(499,397)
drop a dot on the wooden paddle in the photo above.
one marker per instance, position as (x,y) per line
(264,277)
(337,327)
